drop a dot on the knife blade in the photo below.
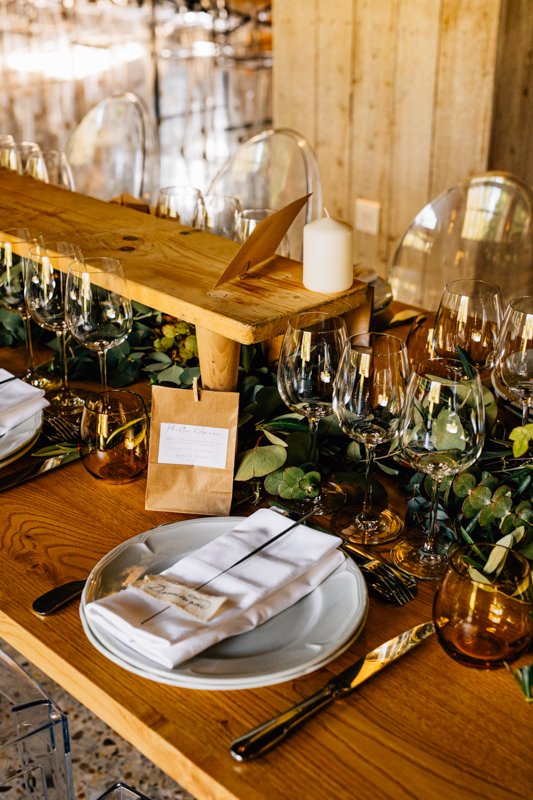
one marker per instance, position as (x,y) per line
(39,468)
(270,733)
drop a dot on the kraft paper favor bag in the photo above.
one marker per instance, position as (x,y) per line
(192,451)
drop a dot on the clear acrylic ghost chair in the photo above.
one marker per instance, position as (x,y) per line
(35,760)
(114,149)
(269,171)
(480,228)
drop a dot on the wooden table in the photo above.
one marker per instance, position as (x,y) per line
(175,269)
(425,729)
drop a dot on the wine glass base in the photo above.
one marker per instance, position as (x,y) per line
(66,403)
(378,528)
(328,501)
(410,555)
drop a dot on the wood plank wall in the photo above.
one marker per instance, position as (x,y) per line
(403,98)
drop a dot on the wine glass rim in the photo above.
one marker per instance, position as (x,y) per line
(180,188)
(389,337)
(455,560)
(96,264)
(526,299)
(473,284)
(310,319)
(110,393)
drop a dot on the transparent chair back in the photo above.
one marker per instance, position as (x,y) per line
(114,149)
(271,170)
(481,228)
(35,759)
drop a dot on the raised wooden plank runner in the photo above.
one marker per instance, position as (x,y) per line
(175,269)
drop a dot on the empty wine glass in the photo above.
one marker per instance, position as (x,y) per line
(308,362)
(9,154)
(184,204)
(469,316)
(368,397)
(221,214)
(26,149)
(97,309)
(15,244)
(514,353)
(483,609)
(441,433)
(46,277)
(51,166)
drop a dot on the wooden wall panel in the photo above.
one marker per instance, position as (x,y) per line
(465,86)
(423,76)
(334,102)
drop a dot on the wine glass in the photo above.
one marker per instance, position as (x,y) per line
(26,149)
(114,436)
(309,358)
(441,433)
(469,316)
(15,244)
(46,276)
(368,395)
(9,154)
(514,353)
(221,214)
(483,609)
(97,309)
(51,166)
(184,204)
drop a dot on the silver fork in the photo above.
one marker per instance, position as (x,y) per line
(401,585)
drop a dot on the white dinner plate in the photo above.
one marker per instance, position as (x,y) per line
(297,641)
(19,439)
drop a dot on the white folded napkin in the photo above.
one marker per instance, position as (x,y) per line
(256,590)
(18,401)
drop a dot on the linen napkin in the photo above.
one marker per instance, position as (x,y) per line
(18,401)
(260,587)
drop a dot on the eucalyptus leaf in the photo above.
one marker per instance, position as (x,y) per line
(260,461)
(171,375)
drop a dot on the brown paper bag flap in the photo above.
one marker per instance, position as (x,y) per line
(262,243)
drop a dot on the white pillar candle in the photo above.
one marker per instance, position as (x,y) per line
(328,255)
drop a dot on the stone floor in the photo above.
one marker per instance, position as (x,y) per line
(100,757)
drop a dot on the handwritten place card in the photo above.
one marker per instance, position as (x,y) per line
(191,459)
(193,444)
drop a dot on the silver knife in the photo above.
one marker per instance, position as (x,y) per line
(39,468)
(271,733)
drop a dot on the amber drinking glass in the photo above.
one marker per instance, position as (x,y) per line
(114,436)
(483,609)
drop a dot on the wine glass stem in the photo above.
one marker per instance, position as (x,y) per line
(62,339)
(433,526)
(525,412)
(103,368)
(30,361)
(313,431)
(367,502)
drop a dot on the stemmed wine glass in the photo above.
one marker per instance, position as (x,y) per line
(9,154)
(309,358)
(45,298)
(50,166)
(368,396)
(15,244)
(97,309)
(469,316)
(221,214)
(442,430)
(514,353)
(184,204)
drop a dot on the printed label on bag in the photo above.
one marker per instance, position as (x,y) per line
(196,603)
(196,445)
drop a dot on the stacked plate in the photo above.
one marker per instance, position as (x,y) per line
(20,439)
(301,639)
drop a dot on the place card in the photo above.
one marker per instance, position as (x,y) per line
(192,451)
(194,602)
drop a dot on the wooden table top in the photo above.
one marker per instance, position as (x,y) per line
(423,729)
(169,267)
